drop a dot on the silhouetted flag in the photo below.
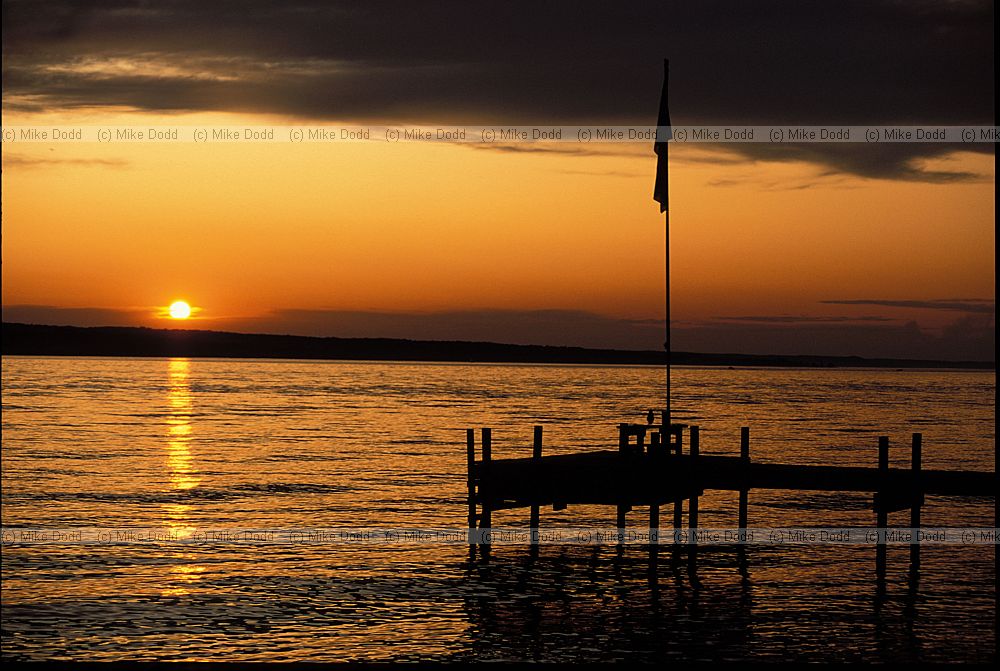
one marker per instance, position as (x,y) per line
(661,188)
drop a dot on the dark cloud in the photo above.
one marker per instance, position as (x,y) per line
(827,180)
(875,161)
(602,173)
(49,314)
(965,340)
(768,185)
(15,160)
(569,149)
(782,61)
(805,319)
(973,334)
(972,305)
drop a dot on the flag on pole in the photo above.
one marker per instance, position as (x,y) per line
(663,135)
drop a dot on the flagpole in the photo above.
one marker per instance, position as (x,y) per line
(666,236)
(668,419)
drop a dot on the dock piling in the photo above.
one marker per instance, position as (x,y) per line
(744,493)
(470,452)
(743,514)
(695,447)
(675,443)
(656,450)
(624,432)
(916,447)
(485,486)
(533,522)
(881,514)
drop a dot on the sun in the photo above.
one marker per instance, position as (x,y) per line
(179,310)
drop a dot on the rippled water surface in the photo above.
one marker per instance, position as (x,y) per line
(197,444)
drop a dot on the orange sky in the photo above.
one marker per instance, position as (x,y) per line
(875,250)
(241,230)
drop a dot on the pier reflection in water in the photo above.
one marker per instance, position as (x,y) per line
(595,603)
(586,603)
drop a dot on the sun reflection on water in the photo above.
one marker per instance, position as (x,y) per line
(183,474)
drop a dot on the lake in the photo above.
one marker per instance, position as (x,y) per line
(206,444)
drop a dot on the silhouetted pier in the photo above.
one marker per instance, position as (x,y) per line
(651,468)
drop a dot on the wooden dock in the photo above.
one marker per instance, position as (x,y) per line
(604,478)
(652,468)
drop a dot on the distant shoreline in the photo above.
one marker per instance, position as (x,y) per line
(112,341)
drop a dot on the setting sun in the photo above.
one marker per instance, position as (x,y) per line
(179,310)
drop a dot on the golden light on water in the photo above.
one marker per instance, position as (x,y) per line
(183,474)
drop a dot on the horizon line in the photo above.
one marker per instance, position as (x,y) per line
(770,360)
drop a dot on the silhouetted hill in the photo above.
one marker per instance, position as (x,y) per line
(33,339)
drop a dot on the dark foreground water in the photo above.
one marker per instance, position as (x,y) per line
(204,444)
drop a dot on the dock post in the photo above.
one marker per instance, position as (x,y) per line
(470,454)
(620,526)
(918,499)
(881,515)
(676,448)
(693,502)
(744,493)
(486,518)
(743,515)
(623,450)
(654,523)
(533,522)
(655,456)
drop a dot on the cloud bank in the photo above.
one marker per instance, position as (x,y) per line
(775,61)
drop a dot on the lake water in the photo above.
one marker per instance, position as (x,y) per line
(195,444)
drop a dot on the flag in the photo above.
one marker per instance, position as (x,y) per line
(660,188)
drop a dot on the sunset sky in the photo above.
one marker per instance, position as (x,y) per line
(817,249)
